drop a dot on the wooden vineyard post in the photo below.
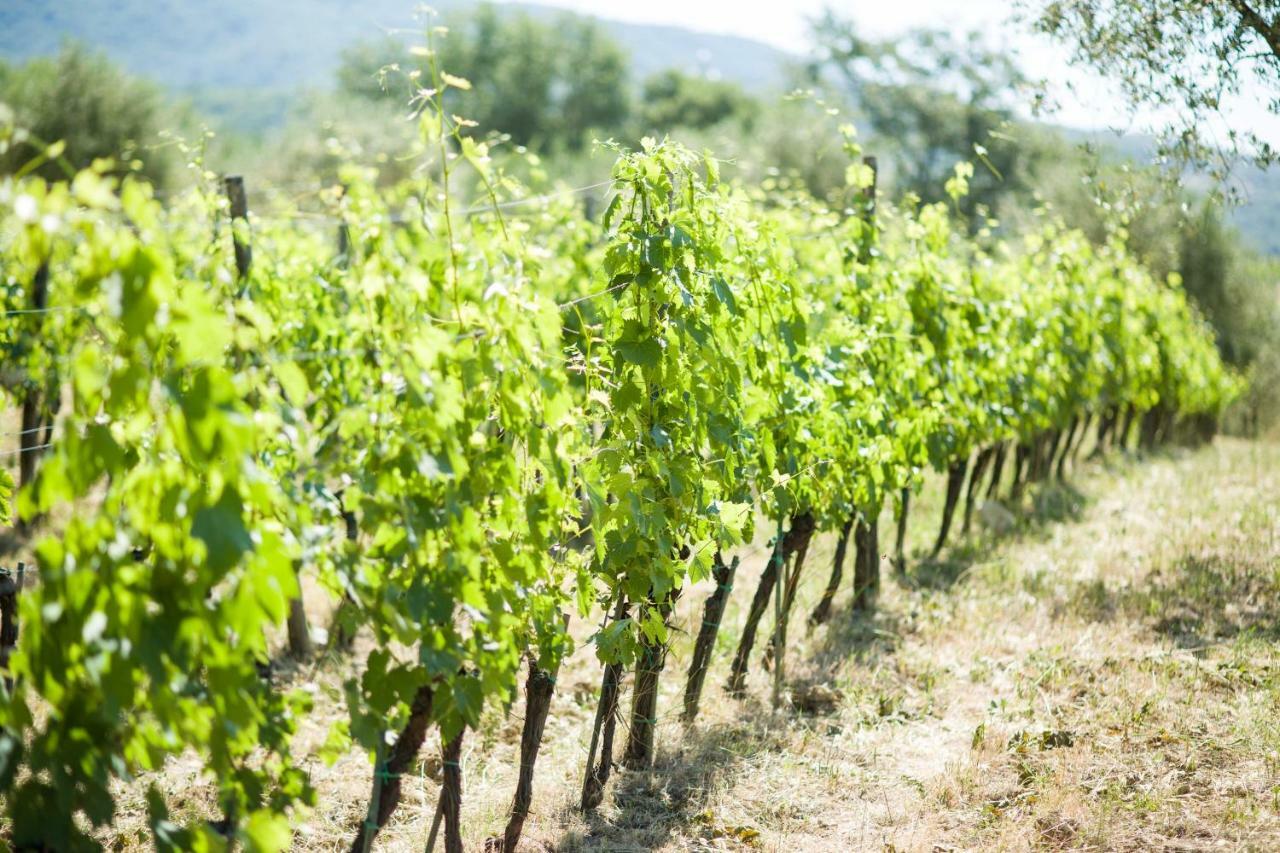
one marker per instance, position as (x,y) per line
(297,629)
(30,439)
(861,545)
(823,610)
(344,235)
(234,185)
(375,799)
(451,795)
(866,567)
(866,563)
(339,636)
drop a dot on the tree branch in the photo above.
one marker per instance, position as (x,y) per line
(1269,30)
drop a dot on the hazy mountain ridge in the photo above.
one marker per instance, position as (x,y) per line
(287,44)
(241,62)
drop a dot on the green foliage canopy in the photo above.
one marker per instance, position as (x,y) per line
(547,85)
(82,99)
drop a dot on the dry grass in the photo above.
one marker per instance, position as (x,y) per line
(1106,678)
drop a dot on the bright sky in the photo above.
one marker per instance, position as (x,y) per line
(782,23)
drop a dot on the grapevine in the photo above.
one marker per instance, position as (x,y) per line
(470,429)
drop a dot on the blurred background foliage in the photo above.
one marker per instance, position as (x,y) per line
(547,85)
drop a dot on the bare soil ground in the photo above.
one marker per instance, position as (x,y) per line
(1105,677)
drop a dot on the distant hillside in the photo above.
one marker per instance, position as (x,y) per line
(241,59)
(1258,216)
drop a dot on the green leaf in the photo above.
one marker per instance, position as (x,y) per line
(724,293)
(265,832)
(6,496)
(627,396)
(734,516)
(221,527)
(293,382)
(644,353)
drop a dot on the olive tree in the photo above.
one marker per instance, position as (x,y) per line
(1186,60)
(83,100)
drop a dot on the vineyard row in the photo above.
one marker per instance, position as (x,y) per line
(471,429)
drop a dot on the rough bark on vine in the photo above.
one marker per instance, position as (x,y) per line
(801,551)
(402,756)
(782,550)
(866,564)
(597,775)
(644,699)
(955,483)
(975,480)
(822,612)
(997,469)
(538,690)
(712,614)
(900,543)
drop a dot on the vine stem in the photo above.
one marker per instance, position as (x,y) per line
(779,625)
(438,102)
(375,799)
